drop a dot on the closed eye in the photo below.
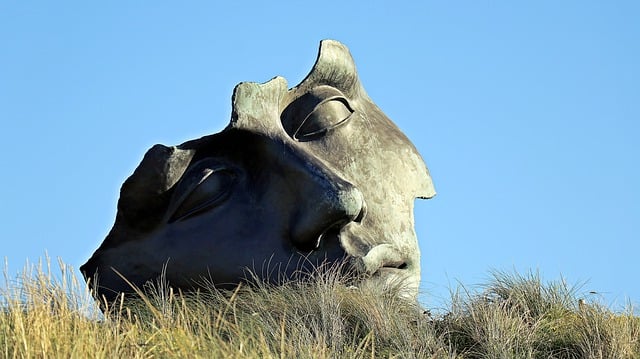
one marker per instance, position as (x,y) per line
(201,189)
(327,115)
(316,112)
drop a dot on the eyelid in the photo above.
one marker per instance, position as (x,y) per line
(194,180)
(315,134)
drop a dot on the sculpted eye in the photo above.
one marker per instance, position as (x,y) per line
(201,189)
(314,113)
(327,115)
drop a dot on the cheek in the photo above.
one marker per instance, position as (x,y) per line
(379,173)
(234,237)
(389,174)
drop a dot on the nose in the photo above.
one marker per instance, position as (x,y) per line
(325,203)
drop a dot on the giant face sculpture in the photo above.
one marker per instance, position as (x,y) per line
(301,177)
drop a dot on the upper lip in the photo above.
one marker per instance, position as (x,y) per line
(382,256)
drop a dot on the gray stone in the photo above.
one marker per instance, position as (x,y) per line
(300,178)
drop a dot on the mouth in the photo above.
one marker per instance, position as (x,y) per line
(391,268)
(390,279)
(383,259)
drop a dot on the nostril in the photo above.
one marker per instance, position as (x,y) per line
(362,214)
(348,207)
(328,206)
(332,233)
(308,246)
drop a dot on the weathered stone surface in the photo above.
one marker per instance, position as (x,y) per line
(300,177)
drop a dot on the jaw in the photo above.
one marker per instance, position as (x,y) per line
(381,265)
(108,274)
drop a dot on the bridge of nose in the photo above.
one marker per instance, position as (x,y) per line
(320,198)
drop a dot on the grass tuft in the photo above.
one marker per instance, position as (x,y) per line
(324,316)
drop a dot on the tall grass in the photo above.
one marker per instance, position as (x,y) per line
(513,316)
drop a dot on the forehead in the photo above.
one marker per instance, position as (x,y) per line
(258,107)
(269,108)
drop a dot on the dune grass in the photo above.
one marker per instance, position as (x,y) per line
(512,316)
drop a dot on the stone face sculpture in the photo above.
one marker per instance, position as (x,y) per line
(301,177)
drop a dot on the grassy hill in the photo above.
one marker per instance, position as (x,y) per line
(515,316)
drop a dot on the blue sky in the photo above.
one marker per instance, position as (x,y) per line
(527,115)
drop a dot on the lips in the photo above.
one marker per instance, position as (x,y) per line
(383,258)
(383,261)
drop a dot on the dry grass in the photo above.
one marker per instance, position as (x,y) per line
(513,317)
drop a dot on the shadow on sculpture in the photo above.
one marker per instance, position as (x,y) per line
(300,178)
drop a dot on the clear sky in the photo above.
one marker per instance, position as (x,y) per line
(527,114)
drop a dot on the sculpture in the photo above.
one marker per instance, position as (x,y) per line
(300,177)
